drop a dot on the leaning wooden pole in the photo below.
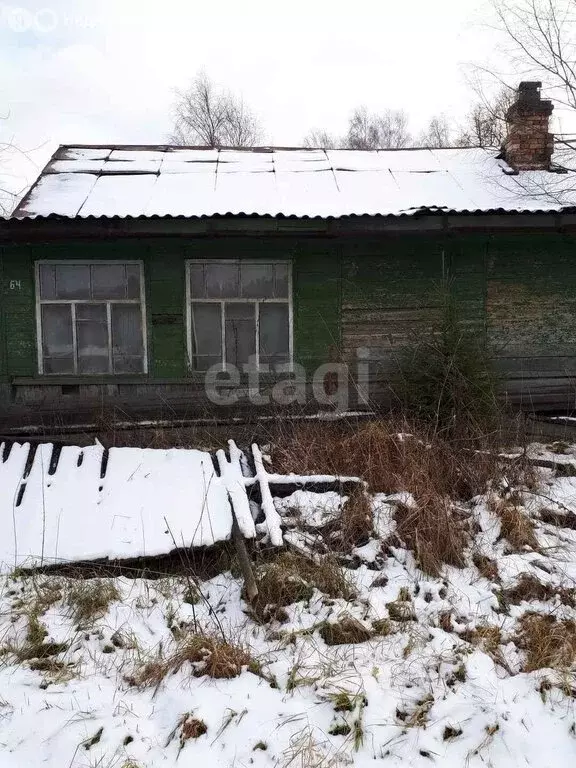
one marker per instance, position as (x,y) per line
(244,561)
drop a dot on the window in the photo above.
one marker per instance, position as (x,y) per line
(90,317)
(238,312)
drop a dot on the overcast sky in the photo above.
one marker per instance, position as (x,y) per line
(81,71)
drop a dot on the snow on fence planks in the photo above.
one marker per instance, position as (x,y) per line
(140,502)
(69,504)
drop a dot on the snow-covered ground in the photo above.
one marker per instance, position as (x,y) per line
(437,675)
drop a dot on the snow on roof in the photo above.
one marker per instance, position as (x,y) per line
(192,182)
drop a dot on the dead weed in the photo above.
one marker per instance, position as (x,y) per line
(89,599)
(207,655)
(528,587)
(486,566)
(390,455)
(546,641)
(346,630)
(356,520)
(516,526)
(434,532)
(290,578)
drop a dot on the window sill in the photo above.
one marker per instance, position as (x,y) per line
(56,380)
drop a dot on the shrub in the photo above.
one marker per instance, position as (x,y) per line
(446,379)
(191,728)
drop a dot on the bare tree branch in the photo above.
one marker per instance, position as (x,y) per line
(206,115)
(387,130)
(541,39)
(322,140)
(485,124)
(437,134)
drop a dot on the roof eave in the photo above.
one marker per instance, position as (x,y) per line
(39,227)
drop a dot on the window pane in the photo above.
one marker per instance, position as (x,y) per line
(257,281)
(274,333)
(58,365)
(47,281)
(197,281)
(91,312)
(127,364)
(206,336)
(281,291)
(108,281)
(57,337)
(127,344)
(92,338)
(240,333)
(133,281)
(221,281)
(72,281)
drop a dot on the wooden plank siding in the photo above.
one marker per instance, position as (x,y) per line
(379,292)
(531,317)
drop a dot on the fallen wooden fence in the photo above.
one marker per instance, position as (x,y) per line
(65,504)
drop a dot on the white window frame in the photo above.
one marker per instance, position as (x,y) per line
(40,302)
(239,300)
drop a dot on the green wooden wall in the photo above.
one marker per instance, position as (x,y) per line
(519,290)
(316,295)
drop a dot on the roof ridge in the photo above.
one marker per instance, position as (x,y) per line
(265,148)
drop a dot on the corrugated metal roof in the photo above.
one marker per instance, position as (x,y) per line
(85,182)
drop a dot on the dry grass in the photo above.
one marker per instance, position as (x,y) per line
(528,588)
(191,728)
(433,532)
(347,630)
(391,455)
(486,637)
(90,599)
(547,642)
(46,593)
(206,655)
(516,526)
(306,751)
(290,578)
(356,520)
(486,566)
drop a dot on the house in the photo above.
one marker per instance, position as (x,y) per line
(132,276)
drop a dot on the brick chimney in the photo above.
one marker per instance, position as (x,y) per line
(528,145)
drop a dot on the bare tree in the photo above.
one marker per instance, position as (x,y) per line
(541,41)
(366,130)
(387,130)
(7,198)
(485,124)
(322,140)
(437,134)
(207,115)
